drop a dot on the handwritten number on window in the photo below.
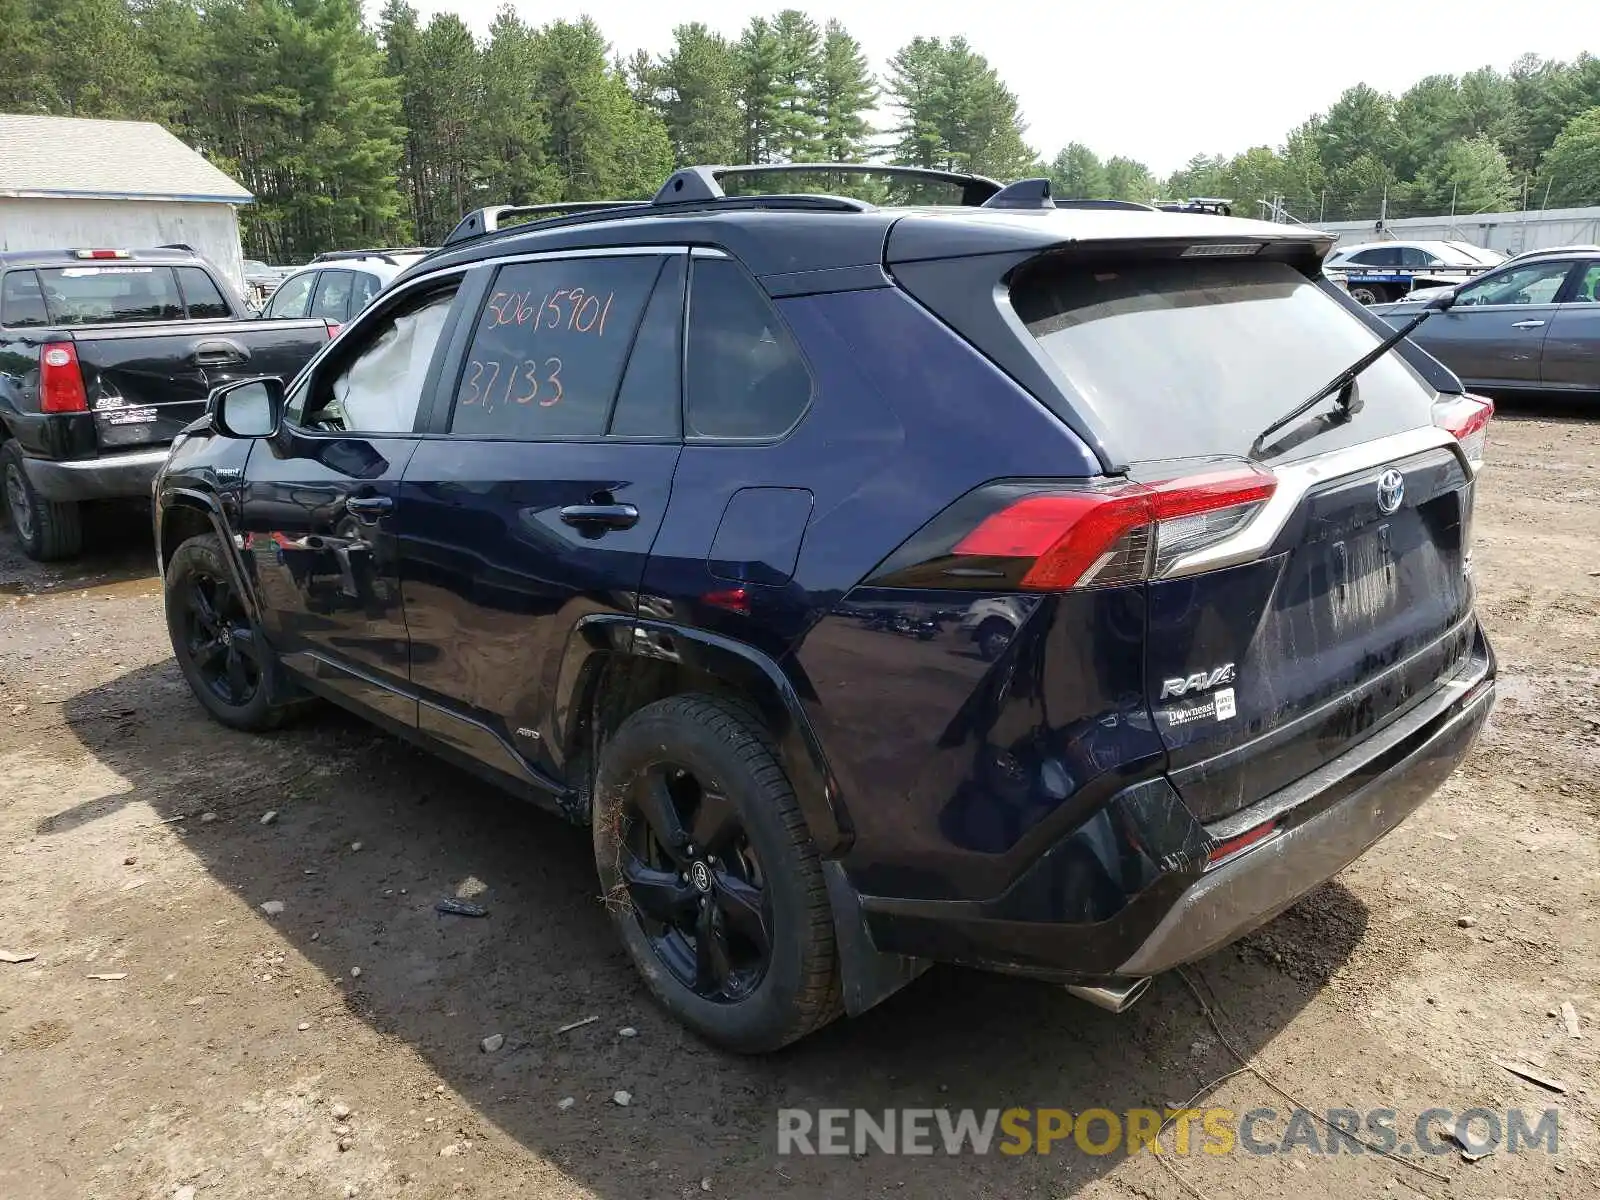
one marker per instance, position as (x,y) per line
(542,379)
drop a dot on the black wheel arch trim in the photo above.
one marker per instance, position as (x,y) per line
(208,504)
(754,675)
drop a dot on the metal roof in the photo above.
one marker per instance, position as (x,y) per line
(77,158)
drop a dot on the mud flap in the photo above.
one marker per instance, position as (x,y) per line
(868,976)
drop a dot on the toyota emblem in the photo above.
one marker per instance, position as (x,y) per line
(700,876)
(1391,490)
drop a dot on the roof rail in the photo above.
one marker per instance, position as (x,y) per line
(1198,204)
(386,253)
(693,185)
(1125,205)
(488,220)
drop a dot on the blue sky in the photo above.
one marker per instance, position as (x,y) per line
(1157,80)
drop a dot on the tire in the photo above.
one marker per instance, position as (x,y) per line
(992,637)
(222,644)
(1369,293)
(46,530)
(685,913)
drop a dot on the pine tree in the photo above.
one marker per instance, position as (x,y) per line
(697,96)
(1569,174)
(845,94)
(24,70)
(96,62)
(798,62)
(1130,180)
(956,114)
(449,106)
(602,143)
(1469,175)
(760,106)
(513,126)
(399,32)
(1077,173)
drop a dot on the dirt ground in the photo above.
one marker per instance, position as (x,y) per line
(212,1060)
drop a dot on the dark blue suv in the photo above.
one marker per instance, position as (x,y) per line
(886,585)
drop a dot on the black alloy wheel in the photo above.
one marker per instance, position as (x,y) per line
(710,874)
(218,639)
(696,883)
(228,666)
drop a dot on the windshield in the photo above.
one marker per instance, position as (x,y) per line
(1183,359)
(1478,254)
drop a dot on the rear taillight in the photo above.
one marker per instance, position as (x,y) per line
(333,329)
(60,381)
(101,254)
(1467,418)
(1121,534)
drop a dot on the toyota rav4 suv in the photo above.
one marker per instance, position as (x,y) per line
(631,509)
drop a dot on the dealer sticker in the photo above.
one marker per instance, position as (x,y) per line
(1224,702)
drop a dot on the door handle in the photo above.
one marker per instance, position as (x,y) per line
(369,508)
(1527,324)
(601,516)
(219,354)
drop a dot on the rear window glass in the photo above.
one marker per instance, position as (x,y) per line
(547,355)
(109,295)
(1181,359)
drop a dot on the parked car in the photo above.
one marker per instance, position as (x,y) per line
(104,356)
(337,285)
(664,516)
(261,280)
(1531,325)
(1379,272)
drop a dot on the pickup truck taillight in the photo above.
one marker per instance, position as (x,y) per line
(60,381)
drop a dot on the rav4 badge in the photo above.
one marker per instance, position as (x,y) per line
(1200,681)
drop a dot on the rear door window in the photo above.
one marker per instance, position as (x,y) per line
(332,301)
(746,377)
(1182,359)
(293,296)
(110,295)
(367,285)
(650,401)
(200,295)
(1379,256)
(548,351)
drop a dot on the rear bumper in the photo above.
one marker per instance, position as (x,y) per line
(107,477)
(1156,900)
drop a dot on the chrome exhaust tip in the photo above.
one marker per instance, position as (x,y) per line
(1116,998)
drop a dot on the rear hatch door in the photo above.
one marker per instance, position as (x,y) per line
(1346,598)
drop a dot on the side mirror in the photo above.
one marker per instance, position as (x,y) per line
(250,408)
(1443,302)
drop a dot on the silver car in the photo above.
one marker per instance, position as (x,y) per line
(1531,324)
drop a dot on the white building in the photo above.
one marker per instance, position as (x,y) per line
(67,182)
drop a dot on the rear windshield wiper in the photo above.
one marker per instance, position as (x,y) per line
(1343,385)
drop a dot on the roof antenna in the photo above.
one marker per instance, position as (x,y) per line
(1024,193)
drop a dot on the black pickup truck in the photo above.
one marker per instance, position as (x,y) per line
(104,356)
